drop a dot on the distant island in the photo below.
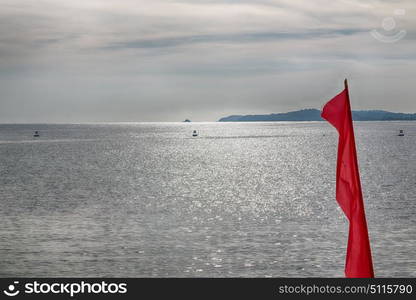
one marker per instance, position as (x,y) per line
(187,121)
(315,115)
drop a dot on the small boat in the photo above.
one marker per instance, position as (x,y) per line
(401,133)
(194,133)
(36,134)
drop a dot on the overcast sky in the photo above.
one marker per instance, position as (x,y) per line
(167,60)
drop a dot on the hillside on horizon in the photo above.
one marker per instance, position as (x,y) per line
(315,115)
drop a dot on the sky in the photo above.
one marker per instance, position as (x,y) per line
(64,61)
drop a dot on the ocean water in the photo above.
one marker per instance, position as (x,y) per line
(239,200)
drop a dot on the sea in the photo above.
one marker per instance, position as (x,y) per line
(238,200)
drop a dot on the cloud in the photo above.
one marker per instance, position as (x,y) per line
(168,60)
(231,38)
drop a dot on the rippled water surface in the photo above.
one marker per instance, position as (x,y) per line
(241,199)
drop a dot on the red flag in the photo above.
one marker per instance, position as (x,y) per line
(348,187)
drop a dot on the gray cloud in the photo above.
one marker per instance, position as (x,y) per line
(232,38)
(91,60)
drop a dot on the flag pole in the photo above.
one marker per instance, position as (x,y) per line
(348,102)
(353,138)
(364,219)
(353,143)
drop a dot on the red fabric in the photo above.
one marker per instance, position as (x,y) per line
(348,188)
